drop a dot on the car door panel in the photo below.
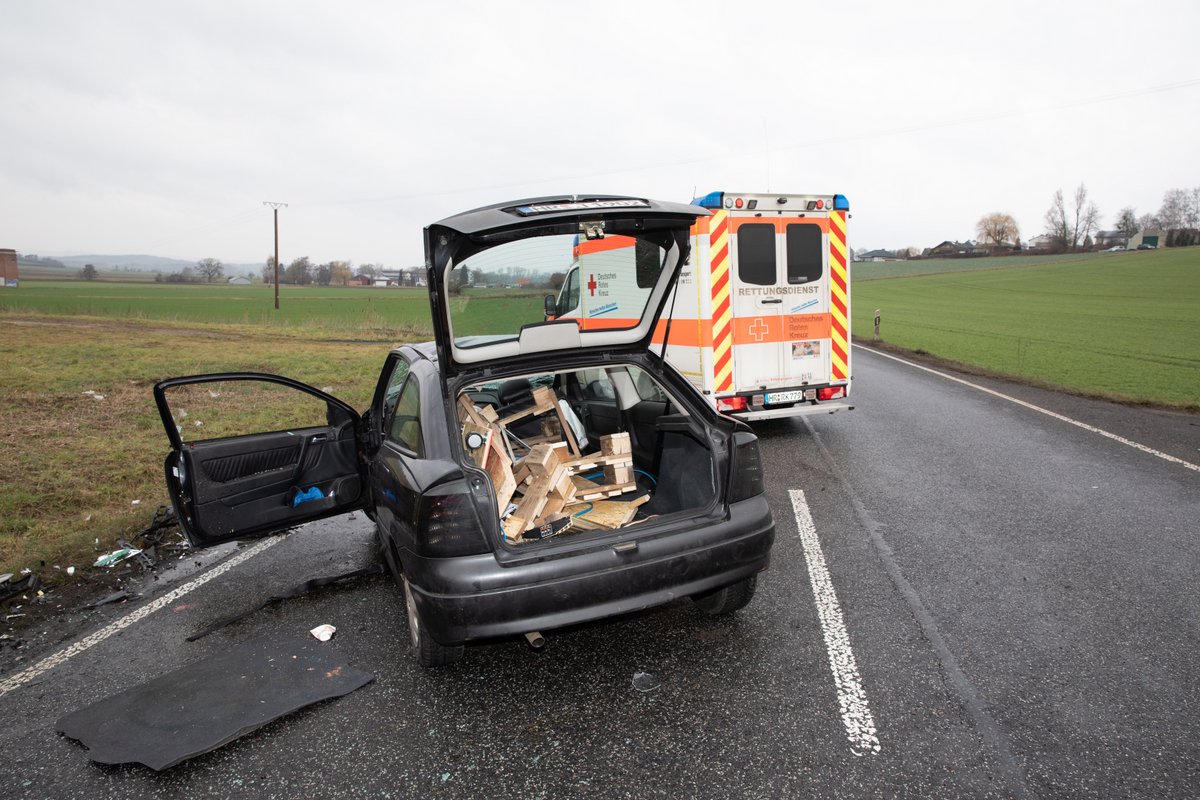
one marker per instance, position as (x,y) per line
(257,483)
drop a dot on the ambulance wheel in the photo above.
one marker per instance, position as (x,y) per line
(429,652)
(729,598)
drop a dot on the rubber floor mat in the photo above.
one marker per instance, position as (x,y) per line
(211,702)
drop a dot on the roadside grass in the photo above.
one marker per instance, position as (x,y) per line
(1121,326)
(71,465)
(878,270)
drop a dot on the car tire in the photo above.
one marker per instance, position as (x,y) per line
(429,652)
(729,598)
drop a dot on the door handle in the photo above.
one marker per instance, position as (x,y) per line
(771,301)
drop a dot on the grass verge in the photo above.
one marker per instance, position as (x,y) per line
(71,464)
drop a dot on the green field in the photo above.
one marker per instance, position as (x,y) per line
(1121,325)
(357,312)
(872,270)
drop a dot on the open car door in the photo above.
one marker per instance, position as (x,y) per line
(229,481)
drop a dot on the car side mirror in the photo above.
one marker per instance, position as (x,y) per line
(551,306)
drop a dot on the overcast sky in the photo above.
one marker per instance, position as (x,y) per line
(160,128)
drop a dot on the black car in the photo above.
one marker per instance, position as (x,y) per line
(481,545)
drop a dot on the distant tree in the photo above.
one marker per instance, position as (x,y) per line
(339,272)
(210,269)
(300,272)
(268,271)
(997,228)
(460,278)
(88,273)
(323,275)
(1192,218)
(1127,222)
(555,282)
(370,270)
(1147,222)
(1068,229)
(1174,211)
(158,278)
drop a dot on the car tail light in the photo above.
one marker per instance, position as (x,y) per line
(447,524)
(731,404)
(831,392)
(746,474)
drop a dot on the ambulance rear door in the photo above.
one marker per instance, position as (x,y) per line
(780,302)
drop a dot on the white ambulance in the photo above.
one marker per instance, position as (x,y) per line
(760,318)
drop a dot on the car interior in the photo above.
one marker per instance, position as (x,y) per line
(671,460)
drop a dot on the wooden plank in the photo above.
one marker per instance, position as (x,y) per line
(499,469)
(568,434)
(618,474)
(467,411)
(615,444)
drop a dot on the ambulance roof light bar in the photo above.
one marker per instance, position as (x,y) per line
(717,200)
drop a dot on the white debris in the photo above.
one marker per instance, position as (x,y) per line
(70,570)
(90,391)
(198,424)
(98,396)
(327,389)
(211,393)
(135,502)
(183,413)
(323,633)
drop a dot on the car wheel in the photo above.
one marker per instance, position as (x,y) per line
(729,598)
(429,652)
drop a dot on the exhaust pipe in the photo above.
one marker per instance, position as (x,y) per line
(536,640)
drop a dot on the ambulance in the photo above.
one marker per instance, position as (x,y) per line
(759,320)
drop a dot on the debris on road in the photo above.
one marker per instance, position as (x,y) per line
(211,702)
(115,597)
(323,633)
(645,682)
(116,556)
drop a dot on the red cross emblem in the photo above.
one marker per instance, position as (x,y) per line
(591,284)
(759,329)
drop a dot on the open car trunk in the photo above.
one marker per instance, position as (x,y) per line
(584,451)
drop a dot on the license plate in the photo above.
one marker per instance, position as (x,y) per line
(787,397)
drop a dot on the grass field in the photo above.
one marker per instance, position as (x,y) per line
(874,270)
(1122,326)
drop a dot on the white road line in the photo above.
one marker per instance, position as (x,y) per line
(1040,410)
(18,680)
(856,714)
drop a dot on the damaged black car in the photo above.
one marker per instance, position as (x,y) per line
(525,472)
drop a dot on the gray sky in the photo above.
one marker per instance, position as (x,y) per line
(159,128)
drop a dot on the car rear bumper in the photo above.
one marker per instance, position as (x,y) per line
(475,597)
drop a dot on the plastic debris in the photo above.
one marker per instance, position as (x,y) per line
(5,578)
(98,396)
(90,392)
(115,597)
(645,682)
(116,557)
(312,493)
(323,633)
(70,570)
(198,424)
(135,502)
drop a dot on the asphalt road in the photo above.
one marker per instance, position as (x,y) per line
(1016,591)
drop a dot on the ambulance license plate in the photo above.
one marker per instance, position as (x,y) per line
(789,397)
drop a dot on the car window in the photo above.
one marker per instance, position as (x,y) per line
(596,385)
(756,253)
(405,429)
(572,293)
(647,387)
(395,384)
(804,253)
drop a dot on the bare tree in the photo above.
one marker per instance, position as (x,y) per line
(300,271)
(1057,226)
(1174,211)
(268,273)
(1127,222)
(1192,219)
(340,272)
(997,228)
(1068,230)
(209,268)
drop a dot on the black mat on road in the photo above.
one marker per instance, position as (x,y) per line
(204,705)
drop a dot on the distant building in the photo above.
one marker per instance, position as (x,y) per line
(1110,238)
(876,255)
(8,269)
(383,282)
(1149,236)
(950,248)
(238,280)
(361,280)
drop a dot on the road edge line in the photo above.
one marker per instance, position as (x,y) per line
(16,681)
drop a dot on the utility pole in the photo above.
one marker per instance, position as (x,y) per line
(276,206)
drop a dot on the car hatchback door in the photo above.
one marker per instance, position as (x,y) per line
(228,479)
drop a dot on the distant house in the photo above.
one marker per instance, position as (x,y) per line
(876,255)
(412,276)
(361,280)
(951,248)
(382,282)
(1043,241)
(238,280)
(1110,238)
